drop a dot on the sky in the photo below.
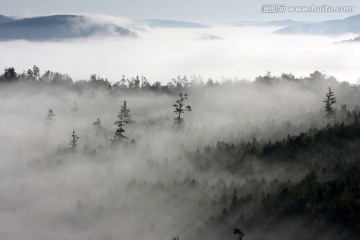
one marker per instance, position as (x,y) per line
(194,10)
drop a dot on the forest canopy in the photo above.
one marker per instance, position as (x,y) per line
(192,158)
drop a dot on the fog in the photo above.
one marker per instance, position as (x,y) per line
(149,190)
(153,188)
(217,52)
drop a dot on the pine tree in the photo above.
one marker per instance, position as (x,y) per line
(180,109)
(123,82)
(50,118)
(74,139)
(137,83)
(238,234)
(30,74)
(98,127)
(36,71)
(123,118)
(329,100)
(97,124)
(126,114)
(144,83)
(10,74)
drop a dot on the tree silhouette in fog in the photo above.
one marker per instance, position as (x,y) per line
(50,118)
(98,127)
(238,234)
(74,138)
(123,118)
(329,101)
(180,108)
(36,71)
(9,75)
(125,111)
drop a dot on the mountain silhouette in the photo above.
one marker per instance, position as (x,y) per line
(58,27)
(4,19)
(333,27)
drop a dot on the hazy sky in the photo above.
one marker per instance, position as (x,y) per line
(199,10)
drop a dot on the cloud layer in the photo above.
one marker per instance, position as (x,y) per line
(162,53)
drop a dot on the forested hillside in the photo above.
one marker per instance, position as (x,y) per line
(276,157)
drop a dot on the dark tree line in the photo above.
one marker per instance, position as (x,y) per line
(141,83)
(34,76)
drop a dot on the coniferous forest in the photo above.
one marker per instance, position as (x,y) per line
(272,158)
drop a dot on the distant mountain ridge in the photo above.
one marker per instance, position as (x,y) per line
(4,19)
(57,27)
(332,27)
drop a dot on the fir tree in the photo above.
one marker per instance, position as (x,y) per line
(123,82)
(123,118)
(97,124)
(329,100)
(50,118)
(36,71)
(98,127)
(74,139)
(180,109)
(144,83)
(125,111)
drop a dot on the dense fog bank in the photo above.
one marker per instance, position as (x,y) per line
(168,181)
(220,51)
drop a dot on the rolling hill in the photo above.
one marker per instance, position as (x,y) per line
(333,27)
(4,19)
(59,27)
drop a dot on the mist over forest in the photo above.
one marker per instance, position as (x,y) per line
(115,128)
(273,158)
